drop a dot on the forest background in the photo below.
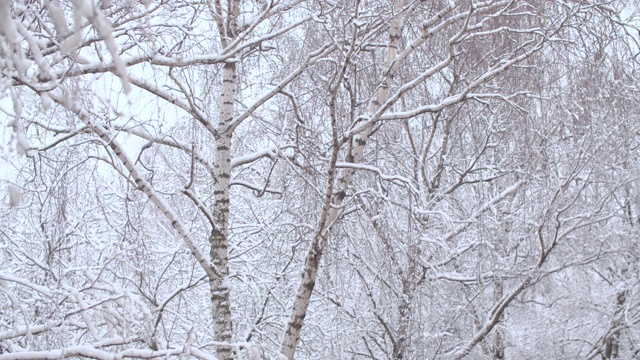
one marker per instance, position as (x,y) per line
(337,179)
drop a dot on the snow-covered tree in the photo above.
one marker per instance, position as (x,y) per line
(319,179)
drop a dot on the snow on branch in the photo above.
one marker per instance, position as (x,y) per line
(397,179)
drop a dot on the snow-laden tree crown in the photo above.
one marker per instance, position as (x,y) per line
(307,179)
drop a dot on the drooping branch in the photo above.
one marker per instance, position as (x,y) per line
(143,185)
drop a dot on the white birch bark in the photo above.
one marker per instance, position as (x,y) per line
(219,240)
(331,210)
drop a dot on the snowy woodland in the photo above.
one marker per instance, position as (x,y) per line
(319,179)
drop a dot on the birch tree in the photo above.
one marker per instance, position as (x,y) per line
(460,63)
(161,42)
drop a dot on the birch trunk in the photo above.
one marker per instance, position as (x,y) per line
(333,199)
(219,240)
